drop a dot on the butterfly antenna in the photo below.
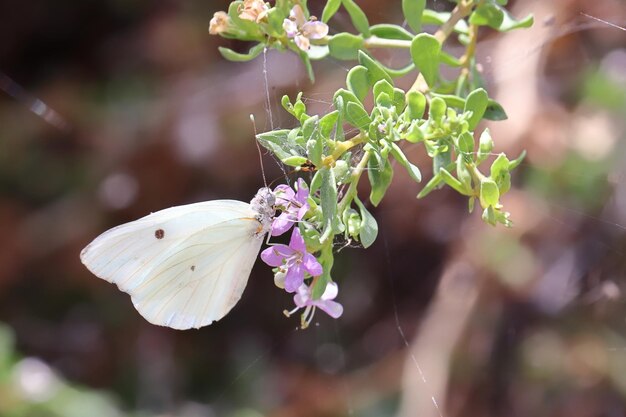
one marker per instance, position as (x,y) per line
(259,149)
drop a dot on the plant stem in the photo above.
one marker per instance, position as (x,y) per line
(376,42)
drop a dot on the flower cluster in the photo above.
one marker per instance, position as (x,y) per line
(293,262)
(301,30)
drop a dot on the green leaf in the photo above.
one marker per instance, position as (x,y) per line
(494,111)
(399,156)
(313,139)
(277,142)
(387,31)
(357,116)
(416,105)
(399,100)
(476,102)
(485,145)
(463,174)
(332,6)
(425,52)
(383,86)
(514,163)
(375,71)
(327,123)
(434,182)
(442,160)
(414,134)
(399,72)
(451,60)
(489,194)
(358,82)
(380,179)
(345,46)
(346,96)
(413,10)
(358,17)
(452,182)
(294,161)
(275,19)
(487,14)
(500,173)
(369,226)
(318,52)
(231,55)
(307,64)
(437,109)
(451,100)
(510,23)
(466,143)
(328,196)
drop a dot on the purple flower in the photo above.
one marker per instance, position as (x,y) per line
(303,299)
(302,31)
(293,261)
(294,206)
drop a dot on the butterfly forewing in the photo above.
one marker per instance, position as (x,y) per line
(185,266)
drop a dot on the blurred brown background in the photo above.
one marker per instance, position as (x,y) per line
(142,113)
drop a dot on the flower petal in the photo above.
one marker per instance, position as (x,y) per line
(282,223)
(332,308)
(294,277)
(297,14)
(275,255)
(330,292)
(297,242)
(314,30)
(302,211)
(312,266)
(290,28)
(302,42)
(303,296)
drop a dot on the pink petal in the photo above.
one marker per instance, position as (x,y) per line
(302,211)
(294,277)
(313,267)
(275,255)
(297,242)
(303,192)
(303,296)
(284,194)
(330,292)
(282,223)
(332,308)
(314,30)
(302,42)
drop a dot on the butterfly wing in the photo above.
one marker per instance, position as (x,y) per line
(184,267)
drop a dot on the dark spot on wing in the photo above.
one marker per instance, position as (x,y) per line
(159,233)
(193,267)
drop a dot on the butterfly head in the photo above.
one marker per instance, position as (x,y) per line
(263,204)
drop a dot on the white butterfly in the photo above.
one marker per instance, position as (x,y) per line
(185,266)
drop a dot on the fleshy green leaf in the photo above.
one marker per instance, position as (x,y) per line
(437,109)
(485,145)
(489,194)
(510,23)
(313,139)
(514,163)
(294,161)
(387,31)
(375,71)
(328,197)
(383,86)
(399,156)
(416,105)
(357,116)
(434,182)
(380,179)
(431,17)
(231,55)
(452,182)
(413,10)
(494,111)
(425,51)
(357,81)
(451,100)
(487,14)
(466,143)
(345,46)
(327,123)
(476,102)
(369,226)
(277,142)
(358,17)
(330,9)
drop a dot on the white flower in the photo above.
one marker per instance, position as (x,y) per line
(301,30)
